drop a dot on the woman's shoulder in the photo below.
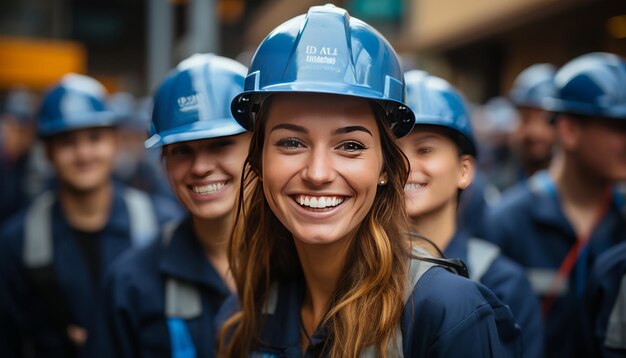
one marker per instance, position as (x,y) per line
(446,310)
(441,290)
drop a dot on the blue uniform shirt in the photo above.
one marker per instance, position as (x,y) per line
(530,227)
(22,313)
(605,315)
(135,294)
(508,282)
(446,316)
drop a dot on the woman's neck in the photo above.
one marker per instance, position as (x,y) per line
(438,225)
(322,265)
(581,193)
(213,236)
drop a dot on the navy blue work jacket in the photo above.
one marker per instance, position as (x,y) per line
(605,317)
(446,316)
(508,282)
(23,318)
(135,294)
(530,227)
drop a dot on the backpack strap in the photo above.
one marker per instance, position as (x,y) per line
(480,256)
(182,302)
(144,226)
(417,269)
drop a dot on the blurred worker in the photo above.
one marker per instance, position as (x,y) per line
(21,177)
(53,255)
(558,223)
(441,151)
(496,122)
(162,299)
(534,138)
(133,166)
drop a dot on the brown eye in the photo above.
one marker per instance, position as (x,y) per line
(351,146)
(289,143)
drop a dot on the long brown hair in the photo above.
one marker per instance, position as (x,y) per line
(367,305)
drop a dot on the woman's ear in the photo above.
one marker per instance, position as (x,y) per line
(467,170)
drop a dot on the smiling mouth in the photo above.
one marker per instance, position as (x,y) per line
(208,189)
(318,202)
(409,187)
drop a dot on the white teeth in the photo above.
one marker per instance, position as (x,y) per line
(207,189)
(319,202)
(413,187)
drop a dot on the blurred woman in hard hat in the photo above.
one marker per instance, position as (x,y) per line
(161,300)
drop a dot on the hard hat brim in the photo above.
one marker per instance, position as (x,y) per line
(195,131)
(53,127)
(241,109)
(558,105)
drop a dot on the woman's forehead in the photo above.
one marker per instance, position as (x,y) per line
(320,101)
(309,109)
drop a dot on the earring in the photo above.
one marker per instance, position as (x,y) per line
(382,182)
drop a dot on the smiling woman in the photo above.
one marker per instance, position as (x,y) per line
(161,299)
(320,258)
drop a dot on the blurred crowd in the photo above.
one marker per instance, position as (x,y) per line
(90,181)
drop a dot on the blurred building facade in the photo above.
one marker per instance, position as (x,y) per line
(479,45)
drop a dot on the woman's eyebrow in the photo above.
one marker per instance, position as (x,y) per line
(349,129)
(291,127)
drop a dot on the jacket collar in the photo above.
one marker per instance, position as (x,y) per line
(183,257)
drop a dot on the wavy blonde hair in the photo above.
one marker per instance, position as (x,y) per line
(366,307)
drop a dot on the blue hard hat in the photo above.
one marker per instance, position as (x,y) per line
(533,85)
(326,51)
(75,102)
(436,102)
(591,85)
(21,104)
(193,102)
